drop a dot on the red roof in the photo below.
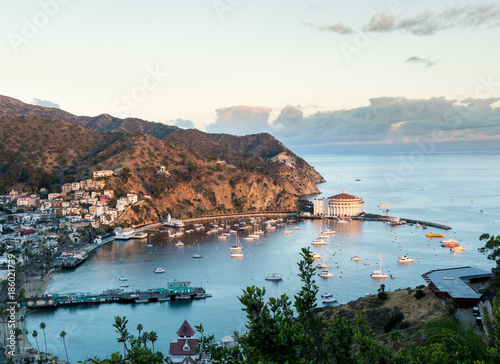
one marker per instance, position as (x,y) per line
(185,330)
(344,196)
(177,347)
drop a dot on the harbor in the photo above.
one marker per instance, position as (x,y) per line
(175,291)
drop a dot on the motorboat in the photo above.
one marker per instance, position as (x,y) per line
(381,273)
(248,238)
(322,265)
(274,277)
(328,232)
(159,270)
(315,256)
(326,295)
(326,274)
(449,243)
(179,243)
(197,256)
(457,249)
(432,235)
(236,254)
(317,242)
(123,279)
(329,300)
(287,232)
(404,259)
(124,285)
(296,228)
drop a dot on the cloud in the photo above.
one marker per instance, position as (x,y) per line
(428,22)
(426,61)
(241,120)
(338,28)
(385,121)
(45,103)
(182,123)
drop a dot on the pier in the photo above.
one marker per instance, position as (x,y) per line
(375,217)
(176,291)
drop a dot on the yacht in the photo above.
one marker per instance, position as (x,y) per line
(317,242)
(124,234)
(326,274)
(381,273)
(329,300)
(124,285)
(171,222)
(326,295)
(236,254)
(404,259)
(159,270)
(274,277)
(328,232)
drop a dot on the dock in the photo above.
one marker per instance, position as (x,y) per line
(176,291)
(375,217)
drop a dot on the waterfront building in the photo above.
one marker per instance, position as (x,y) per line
(341,205)
(183,349)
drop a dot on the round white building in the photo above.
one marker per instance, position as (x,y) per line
(344,204)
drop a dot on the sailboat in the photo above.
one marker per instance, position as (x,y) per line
(357,257)
(382,203)
(236,247)
(198,255)
(381,273)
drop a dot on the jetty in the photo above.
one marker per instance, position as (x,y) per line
(376,217)
(176,291)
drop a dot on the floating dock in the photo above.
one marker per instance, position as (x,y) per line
(176,291)
(375,217)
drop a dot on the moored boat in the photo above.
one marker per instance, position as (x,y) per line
(457,249)
(159,270)
(274,277)
(329,300)
(432,235)
(326,274)
(404,259)
(318,242)
(381,273)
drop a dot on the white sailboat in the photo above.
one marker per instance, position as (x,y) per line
(382,204)
(357,258)
(381,273)
(237,246)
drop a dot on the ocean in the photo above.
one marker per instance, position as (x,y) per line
(456,189)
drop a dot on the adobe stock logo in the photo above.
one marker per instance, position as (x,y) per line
(131,99)
(32,25)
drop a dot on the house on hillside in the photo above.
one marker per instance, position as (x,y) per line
(183,350)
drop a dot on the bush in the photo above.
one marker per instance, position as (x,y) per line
(393,321)
(419,294)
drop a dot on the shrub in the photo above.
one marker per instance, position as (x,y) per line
(419,294)
(393,321)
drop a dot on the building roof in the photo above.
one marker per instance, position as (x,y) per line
(177,347)
(455,281)
(344,196)
(185,330)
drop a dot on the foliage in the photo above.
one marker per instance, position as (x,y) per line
(492,248)
(393,320)
(419,294)
(382,294)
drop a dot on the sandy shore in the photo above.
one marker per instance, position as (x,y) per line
(36,287)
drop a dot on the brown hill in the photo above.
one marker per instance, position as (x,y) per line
(44,147)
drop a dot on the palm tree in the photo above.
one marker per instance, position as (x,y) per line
(63,335)
(42,327)
(144,338)
(153,336)
(35,334)
(449,328)
(139,328)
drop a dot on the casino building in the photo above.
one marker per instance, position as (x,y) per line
(341,205)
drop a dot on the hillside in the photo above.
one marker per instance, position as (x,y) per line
(44,147)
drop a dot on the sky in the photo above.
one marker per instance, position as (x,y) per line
(320,75)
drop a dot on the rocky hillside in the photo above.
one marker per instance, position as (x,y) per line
(45,147)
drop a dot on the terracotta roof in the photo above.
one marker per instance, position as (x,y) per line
(343,196)
(177,347)
(185,330)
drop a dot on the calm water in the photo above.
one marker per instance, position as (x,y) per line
(456,187)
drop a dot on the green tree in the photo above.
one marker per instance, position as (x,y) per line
(63,336)
(492,248)
(42,327)
(153,336)
(35,336)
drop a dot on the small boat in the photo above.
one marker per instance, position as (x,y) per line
(329,300)
(124,285)
(287,232)
(379,274)
(141,300)
(326,274)
(317,242)
(322,265)
(274,277)
(326,295)
(222,237)
(179,243)
(315,256)
(296,228)
(358,179)
(237,246)
(340,221)
(236,254)
(328,232)
(404,259)
(457,249)
(432,235)
(123,279)
(149,245)
(159,270)
(424,227)
(182,297)
(356,258)
(197,256)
